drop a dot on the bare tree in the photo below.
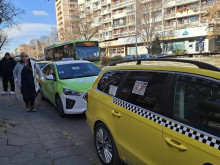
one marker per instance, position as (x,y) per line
(8,13)
(51,39)
(212,17)
(148,20)
(84,26)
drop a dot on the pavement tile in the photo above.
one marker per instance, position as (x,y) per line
(42,154)
(43,125)
(47,130)
(21,158)
(37,121)
(16,130)
(72,160)
(64,151)
(4,161)
(3,140)
(52,136)
(57,143)
(35,140)
(9,150)
(17,141)
(40,162)
(15,121)
(32,147)
(26,135)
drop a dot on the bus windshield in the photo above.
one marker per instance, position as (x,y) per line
(88,53)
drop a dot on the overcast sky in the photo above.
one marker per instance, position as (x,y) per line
(37,21)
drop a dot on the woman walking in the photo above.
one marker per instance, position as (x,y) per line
(25,75)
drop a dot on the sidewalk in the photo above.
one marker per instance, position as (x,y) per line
(33,138)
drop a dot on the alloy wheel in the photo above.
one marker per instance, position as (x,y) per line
(104,145)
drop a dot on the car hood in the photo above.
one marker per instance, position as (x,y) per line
(79,84)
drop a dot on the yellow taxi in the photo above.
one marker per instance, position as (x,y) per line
(156,115)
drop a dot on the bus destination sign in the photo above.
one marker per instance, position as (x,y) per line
(85,44)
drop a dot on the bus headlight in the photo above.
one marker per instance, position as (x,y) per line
(71,92)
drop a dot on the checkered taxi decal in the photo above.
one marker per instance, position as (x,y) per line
(211,141)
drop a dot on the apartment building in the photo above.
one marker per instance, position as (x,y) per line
(178,25)
(33,51)
(65,14)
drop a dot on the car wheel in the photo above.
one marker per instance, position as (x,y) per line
(59,106)
(105,146)
(42,95)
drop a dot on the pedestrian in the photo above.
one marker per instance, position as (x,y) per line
(7,65)
(25,74)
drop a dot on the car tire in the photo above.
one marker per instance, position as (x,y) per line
(59,107)
(41,95)
(105,145)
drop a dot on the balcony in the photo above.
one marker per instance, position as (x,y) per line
(105,12)
(106,37)
(180,2)
(203,9)
(107,28)
(185,26)
(169,16)
(103,2)
(128,2)
(118,25)
(115,16)
(167,4)
(124,34)
(188,13)
(106,20)
(172,27)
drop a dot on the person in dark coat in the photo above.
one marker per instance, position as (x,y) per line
(7,65)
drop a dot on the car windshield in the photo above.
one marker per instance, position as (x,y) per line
(70,71)
(41,65)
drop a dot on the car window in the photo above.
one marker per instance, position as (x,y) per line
(197,103)
(110,81)
(144,89)
(51,70)
(45,70)
(69,71)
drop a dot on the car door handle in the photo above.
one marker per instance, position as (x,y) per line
(175,144)
(116,113)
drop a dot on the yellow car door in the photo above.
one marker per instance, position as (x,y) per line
(136,117)
(192,135)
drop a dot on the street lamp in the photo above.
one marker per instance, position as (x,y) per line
(136,28)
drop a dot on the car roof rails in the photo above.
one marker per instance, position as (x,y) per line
(199,64)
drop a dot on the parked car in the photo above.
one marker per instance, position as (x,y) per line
(160,55)
(129,57)
(117,56)
(144,56)
(155,114)
(66,83)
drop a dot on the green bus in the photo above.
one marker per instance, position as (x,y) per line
(74,49)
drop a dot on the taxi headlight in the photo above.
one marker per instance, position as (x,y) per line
(71,92)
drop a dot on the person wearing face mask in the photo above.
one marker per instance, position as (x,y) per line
(25,74)
(7,65)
